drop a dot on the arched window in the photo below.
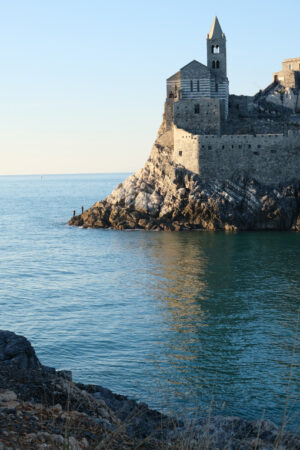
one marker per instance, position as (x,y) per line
(214,64)
(171,95)
(197,108)
(216,49)
(191,85)
(213,49)
(198,85)
(218,65)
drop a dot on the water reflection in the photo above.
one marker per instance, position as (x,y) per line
(229,330)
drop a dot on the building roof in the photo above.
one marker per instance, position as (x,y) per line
(216,30)
(194,69)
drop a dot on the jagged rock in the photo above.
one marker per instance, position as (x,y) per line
(50,411)
(17,352)
(166,196)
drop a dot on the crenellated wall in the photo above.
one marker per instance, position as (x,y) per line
(269,158)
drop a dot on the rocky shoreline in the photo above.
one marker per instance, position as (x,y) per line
(41,408)
(166,196)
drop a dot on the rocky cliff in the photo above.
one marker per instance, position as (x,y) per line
(166,196)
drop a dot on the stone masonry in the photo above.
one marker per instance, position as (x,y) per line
(250,138)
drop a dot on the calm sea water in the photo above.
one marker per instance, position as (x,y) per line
(184,321)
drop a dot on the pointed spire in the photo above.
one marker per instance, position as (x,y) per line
(216,30)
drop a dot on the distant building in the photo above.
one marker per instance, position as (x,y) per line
(289,76)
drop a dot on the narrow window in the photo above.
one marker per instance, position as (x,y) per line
(191,85)
(214,64)
(249,145)
(232,146)
(223,146)
(218,65)
(209,147)
(217,87)
(237,106)
(180,153)
(197,108)
(213,49)
(198,85)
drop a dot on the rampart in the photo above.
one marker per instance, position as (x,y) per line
(269,158)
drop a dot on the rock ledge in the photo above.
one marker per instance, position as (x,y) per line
(41,408)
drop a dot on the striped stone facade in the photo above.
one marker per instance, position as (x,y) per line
(199,83)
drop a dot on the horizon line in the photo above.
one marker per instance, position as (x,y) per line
(61,174)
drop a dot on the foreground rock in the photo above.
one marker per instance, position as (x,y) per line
(41,408)
(166,196)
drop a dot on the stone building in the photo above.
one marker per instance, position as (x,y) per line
(210,138)
(289,76)
(197,95)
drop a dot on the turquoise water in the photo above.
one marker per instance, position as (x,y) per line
(184,321)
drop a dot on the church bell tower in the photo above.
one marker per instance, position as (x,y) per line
(216,51)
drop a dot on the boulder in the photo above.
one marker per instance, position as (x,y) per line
(17,352)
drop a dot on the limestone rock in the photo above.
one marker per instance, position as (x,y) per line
(166,196)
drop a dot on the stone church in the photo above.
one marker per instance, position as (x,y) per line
(222,136)
(197,95)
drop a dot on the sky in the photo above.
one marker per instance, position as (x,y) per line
(82,82)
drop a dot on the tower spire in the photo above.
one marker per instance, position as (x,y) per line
(216,30)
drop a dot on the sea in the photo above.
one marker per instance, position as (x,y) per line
(189,322)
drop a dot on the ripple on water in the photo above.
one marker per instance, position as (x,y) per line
(183,321)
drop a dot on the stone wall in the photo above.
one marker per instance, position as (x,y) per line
(186,149)
(240,105)
(169,113)
(269,158)
(201,116)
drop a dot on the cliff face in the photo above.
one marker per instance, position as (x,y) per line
(166,196)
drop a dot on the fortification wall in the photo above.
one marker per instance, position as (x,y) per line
(269,158)
(169,113)
(186,149)
(198,116)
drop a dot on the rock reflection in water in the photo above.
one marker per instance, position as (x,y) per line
(223,316)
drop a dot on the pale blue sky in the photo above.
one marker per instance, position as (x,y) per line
(83,81)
